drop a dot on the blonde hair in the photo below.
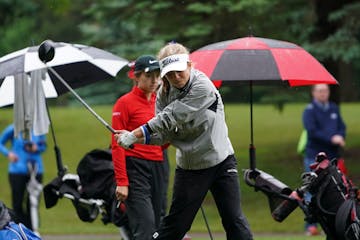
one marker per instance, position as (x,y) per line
(168,50)
(171,49)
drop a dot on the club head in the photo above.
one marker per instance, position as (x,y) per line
(46,51)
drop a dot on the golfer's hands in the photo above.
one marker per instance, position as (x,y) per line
(338,140)
(12,157)
(121,193)
(125,138)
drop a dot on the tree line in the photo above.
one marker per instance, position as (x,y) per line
(328,29)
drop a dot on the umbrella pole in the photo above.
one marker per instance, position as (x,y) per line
(252,155)
(60,167)
(81,100)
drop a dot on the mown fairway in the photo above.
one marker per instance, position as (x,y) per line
(275,137)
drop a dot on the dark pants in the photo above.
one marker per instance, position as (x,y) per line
(20,197)
(144,203)
(190,188)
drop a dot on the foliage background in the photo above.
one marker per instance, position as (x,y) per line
(330,30)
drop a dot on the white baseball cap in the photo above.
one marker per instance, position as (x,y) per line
(176,62)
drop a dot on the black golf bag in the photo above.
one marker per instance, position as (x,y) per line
(334,202)
(92,189)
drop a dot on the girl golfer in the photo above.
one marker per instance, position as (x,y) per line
(190,116)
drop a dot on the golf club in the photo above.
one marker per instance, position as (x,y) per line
(206,222)
(46,53)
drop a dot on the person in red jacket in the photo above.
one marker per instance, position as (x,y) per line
(138,170)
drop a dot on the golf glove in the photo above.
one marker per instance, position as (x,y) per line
(127,139)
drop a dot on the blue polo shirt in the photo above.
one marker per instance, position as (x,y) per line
(321,123)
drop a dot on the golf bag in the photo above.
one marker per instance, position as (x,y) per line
(334,203)
(13,230)
(334,200)
(275,190)
(92,189)
(96,173)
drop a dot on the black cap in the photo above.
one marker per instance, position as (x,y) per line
(146,63)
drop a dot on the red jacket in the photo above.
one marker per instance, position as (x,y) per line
(129,112)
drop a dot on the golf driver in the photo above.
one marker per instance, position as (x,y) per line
(46,53)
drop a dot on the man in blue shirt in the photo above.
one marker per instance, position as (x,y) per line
(325,130)
(23,153)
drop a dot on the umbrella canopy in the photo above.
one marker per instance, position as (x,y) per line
(78,64)
(7,90)
(259,60)
(71,66)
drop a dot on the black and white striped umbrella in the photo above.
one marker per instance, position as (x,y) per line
(7,89)
(78,64)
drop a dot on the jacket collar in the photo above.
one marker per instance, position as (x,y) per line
(138,92)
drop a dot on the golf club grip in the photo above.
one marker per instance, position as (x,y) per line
(114,132)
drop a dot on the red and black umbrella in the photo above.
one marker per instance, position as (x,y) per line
(257,60)
(260,60)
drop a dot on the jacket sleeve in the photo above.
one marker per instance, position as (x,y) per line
(119,121)
(201,95)
(6,135)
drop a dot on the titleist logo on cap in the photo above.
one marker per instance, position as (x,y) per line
(173,58)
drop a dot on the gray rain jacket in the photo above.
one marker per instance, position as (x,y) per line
(192,119)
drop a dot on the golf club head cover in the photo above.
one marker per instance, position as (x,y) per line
(46,51)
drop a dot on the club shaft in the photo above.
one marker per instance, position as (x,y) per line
(206,222)
(81,100)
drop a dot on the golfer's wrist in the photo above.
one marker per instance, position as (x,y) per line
(146,134)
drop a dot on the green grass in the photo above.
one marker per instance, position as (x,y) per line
(275,137)
(287,238)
